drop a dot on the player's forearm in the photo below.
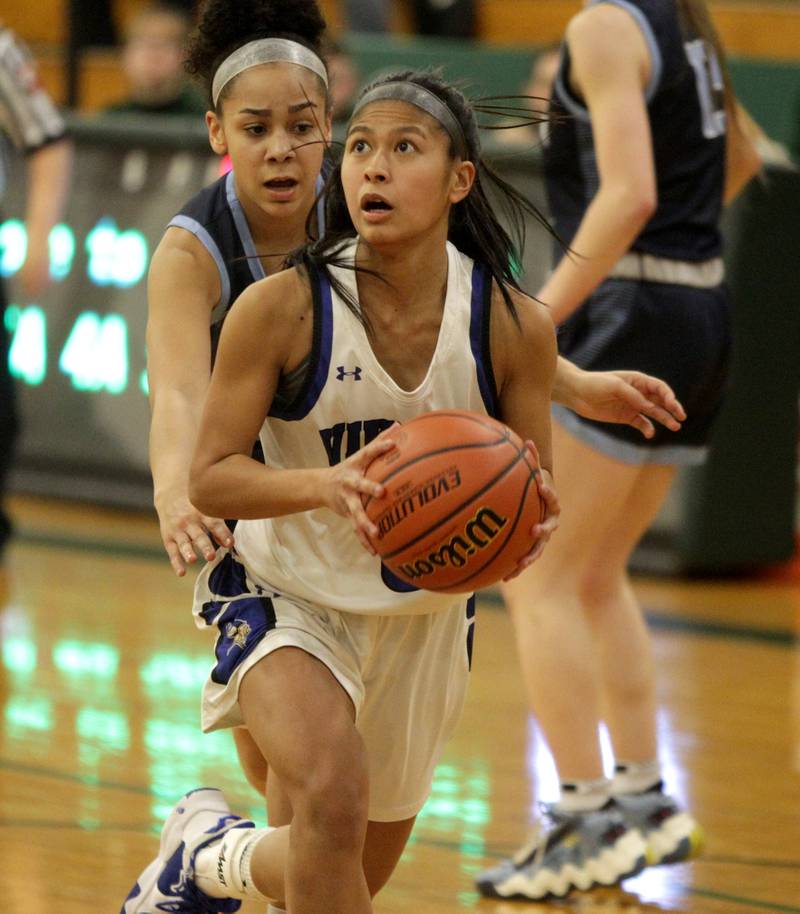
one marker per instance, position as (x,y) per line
(49,170)
(238,486)
(611,224)
(566,383)
(173,432)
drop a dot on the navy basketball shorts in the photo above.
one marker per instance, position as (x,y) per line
(677,333)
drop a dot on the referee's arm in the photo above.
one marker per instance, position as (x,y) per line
(31,121)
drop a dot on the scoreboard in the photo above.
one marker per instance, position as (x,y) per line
(78,354)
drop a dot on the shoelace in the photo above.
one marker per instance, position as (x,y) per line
(550,820)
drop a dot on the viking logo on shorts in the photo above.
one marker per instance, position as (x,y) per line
(238,632)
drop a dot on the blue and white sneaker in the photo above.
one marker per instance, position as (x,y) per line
(167,884)
(672,835)
(577,850)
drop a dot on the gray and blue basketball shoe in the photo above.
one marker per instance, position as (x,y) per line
(574,850)
(167,884)
(672,835)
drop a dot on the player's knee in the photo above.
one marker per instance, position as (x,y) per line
(334,802)
(600,588)
(337,815)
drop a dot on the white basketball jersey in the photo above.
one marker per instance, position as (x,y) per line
(348,399)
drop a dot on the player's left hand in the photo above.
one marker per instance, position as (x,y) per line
(629,398)
(542,531)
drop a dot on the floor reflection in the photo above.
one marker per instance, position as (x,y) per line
(100,674)
(599,901)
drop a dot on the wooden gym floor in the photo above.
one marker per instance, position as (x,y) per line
(101,670)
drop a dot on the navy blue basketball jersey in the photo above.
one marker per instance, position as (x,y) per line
(216,218)
(685,103)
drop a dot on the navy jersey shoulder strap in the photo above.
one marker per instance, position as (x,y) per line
(320,357)
(479,335)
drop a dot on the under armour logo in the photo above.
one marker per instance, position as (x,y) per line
(341,374)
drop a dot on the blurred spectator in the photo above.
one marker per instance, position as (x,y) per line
(152,59)
(536,90)
(445,18)
(91,23)
(367,15)
(543,73)
(344,80)
(30,125)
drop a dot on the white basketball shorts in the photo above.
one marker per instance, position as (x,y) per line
(405,674)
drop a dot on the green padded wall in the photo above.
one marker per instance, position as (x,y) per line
(740,509)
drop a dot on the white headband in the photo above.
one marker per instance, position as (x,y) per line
(422,98)
(265,50)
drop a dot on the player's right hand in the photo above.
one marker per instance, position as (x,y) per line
(346,484)
(629,398)
(542,531)
(187,533)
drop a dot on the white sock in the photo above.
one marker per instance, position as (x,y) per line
(222,870)
(584,796)
(636,777)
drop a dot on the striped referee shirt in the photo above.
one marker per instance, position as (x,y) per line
(28,117)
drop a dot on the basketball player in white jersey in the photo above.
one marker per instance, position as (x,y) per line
(349,682)
(261,64)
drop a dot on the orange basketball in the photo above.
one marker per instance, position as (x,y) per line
(460,502)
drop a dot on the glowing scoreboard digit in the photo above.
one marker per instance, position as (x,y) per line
(95,353)
(78,354)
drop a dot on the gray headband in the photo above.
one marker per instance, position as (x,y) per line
(425,100)
(265,50)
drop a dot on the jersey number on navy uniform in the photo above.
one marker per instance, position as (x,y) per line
(710,86)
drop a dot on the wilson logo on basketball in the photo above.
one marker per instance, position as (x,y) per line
(479,533)
(417,498)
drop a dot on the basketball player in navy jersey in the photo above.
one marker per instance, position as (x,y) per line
(646,147)
(273,119)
